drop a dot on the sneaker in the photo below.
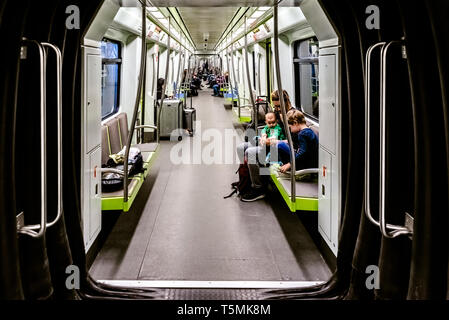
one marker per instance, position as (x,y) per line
(253,195)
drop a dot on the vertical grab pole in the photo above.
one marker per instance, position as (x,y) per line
(179,69)
(144,93)
(230,82)
(155,94)
(282,102)
(142,74)
(256,114)
(235,78)
(164,87)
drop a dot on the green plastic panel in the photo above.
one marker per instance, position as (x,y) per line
(301,204)
(242,119)
(150,161)
(117,203)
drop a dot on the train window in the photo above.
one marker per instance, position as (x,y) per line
(306,68)
(110,84)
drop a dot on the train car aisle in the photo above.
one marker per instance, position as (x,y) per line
(181,228)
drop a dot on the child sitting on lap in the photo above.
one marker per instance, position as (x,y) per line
(271,134)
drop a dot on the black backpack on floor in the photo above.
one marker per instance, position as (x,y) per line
(242,186)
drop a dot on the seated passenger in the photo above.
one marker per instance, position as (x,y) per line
(216,88)
(277,106)
(270,135)
(306,146)
(256,158)
(160,87)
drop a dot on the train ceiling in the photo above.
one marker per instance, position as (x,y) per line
(207,18)
(210,3)
(221,3)
(206,23)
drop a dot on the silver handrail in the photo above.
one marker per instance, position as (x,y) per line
(304,171)
(181,59)
(282,102)
(164,87)
(29,230)
(142,76)
(395,230)
(145,126)
(229,78)
(384,227)
(259,57)
(235,78)
(155,96)
(368,130)
(59,117)
(256,114)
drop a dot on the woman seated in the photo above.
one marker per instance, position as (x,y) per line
(276,103)
(305,143)
(256,156)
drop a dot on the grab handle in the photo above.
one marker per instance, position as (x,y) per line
(389,231)
(30,230)
(368,130)
(59,127)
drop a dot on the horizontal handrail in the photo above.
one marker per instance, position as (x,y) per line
(145,126)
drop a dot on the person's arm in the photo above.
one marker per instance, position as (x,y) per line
(263,136)
(302,149)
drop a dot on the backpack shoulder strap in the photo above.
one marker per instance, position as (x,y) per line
(231,194)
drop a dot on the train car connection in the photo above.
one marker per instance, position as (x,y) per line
(123,124)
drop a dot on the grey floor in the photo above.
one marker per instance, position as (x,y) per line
(181,228)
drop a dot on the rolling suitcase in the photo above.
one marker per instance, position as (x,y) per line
(171,119)
(190,118)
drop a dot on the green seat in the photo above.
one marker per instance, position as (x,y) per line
(114,138)
(245,114)
(306,192)
(114,200)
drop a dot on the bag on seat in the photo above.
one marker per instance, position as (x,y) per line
(135,161)
(111,182)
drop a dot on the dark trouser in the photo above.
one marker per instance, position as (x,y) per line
(256,157)
(284,152)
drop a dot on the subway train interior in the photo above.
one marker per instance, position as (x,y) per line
(176,98)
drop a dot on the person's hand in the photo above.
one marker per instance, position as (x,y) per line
(273,141)
(267,141)
(285,168)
